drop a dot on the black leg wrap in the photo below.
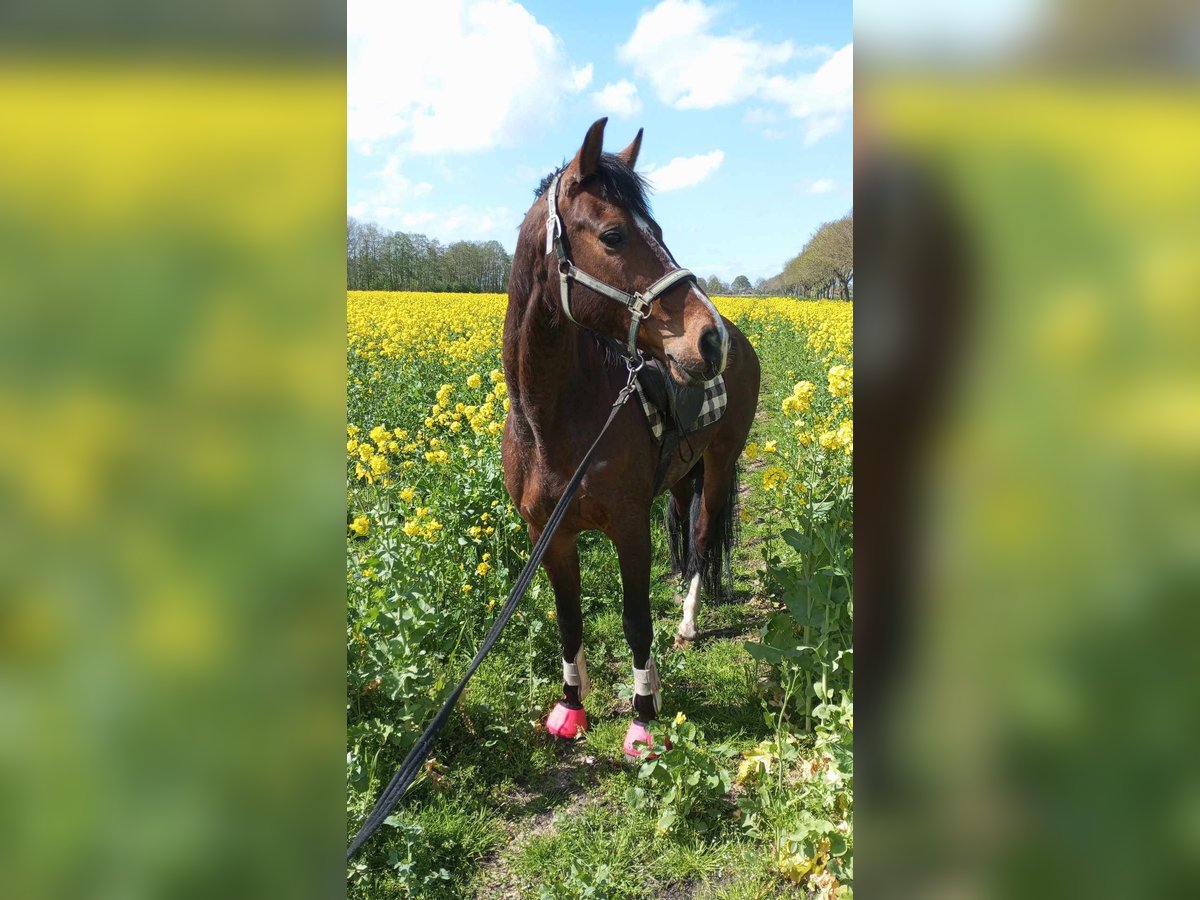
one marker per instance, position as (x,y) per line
(571,696)
(643,708)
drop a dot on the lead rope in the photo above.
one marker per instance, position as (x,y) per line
(420,750)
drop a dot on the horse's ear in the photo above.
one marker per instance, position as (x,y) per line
(630,153)
(589,154)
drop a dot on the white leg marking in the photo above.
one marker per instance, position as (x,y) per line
(691,606)
(576,674)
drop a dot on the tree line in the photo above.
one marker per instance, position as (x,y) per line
(381,260)
(824,268)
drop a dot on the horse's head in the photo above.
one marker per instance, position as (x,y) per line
(609,234)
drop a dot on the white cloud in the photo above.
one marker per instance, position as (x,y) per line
(620,99)
(456,76)
(395,192)
(822,186)
(689,66)
(684,171)
(457,224)
(581,77)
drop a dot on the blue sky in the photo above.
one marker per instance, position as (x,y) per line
(457,109)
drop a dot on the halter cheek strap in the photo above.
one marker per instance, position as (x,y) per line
(638,303)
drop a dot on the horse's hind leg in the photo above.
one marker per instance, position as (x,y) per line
(712,540)
(561,562)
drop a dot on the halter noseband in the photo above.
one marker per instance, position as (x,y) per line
(637,303)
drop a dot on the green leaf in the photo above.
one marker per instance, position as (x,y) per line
(797,541)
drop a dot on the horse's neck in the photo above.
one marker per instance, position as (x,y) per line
(554,367)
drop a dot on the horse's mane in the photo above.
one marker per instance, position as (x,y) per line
(618,182)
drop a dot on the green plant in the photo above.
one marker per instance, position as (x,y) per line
(580,883)
(685,782)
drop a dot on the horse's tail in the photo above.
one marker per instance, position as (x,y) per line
(716,569)
(680,531)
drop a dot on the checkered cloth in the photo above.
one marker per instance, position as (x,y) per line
(714,407)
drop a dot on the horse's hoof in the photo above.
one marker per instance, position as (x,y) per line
(682,643)
(565,722)
(638,743)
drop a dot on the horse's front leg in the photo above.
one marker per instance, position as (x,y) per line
(561,562)
(633,548)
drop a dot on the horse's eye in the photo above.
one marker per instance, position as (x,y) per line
(614,238)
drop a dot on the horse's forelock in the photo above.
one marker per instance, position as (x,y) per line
(620,183)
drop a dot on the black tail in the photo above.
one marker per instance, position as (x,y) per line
(716,571)
(679,532)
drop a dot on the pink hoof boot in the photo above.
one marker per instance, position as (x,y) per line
(565,722)
(638,734)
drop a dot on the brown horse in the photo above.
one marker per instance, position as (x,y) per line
(563,376)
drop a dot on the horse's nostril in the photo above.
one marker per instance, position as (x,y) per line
(710,348)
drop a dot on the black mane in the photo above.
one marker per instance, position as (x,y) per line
(619,184)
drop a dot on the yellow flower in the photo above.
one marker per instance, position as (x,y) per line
(361,525)
(751,451)
(484,567)
(351,445)
(351,430)
(845,436)
(774,477)
(407,495)
(467,589)
(474,381)
(769,447)
(841,380)
(680,718)
(800,400)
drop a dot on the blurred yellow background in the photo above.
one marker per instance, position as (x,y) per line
(1044,728)
(171,598)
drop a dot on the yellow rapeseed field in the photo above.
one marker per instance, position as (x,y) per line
(433,543)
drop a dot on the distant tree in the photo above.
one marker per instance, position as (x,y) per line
(833,247)
(378,260)
(741,285)
(824,268)
(760,285)
(714,285)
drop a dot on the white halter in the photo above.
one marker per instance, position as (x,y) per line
(638,303)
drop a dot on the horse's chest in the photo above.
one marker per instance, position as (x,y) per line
(590,510)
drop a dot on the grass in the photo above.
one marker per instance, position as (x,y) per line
(507,811)
(514,808)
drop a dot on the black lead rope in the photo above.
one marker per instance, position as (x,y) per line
(420,750)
